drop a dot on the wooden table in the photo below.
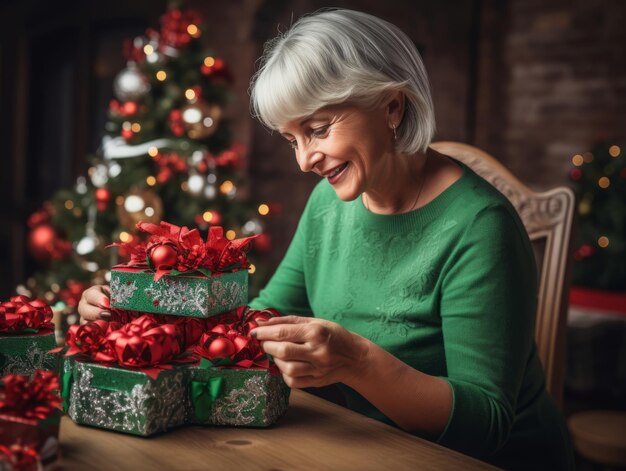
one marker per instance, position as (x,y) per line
(313,434)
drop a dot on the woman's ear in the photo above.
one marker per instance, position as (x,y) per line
(395,109)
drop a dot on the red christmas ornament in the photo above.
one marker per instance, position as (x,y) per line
(575,174)
(163,255)
(41,242)
(263,243)
(103,196)
(127,134)
(221,347)
(176,123)
(129,108)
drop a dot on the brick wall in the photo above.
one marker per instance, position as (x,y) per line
(552,77)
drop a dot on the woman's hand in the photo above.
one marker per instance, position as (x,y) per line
(312,352)
(94,304)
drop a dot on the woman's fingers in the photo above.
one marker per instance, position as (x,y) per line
(284,320)
(296,369)
(286,350)
(94,303)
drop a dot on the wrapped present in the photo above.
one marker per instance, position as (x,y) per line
(29,416)
(251,397)
(26,336)
(19,458)
(125,400)
(125,377)
(235,383)
(175,272)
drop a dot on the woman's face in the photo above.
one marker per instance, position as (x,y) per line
(344,144)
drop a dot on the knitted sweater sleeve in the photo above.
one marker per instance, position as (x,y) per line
(286,290)
(488,303)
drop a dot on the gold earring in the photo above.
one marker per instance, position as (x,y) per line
(395,136)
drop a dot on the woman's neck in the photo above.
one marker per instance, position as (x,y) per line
(400,181)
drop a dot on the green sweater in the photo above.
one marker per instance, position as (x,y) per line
(449,289)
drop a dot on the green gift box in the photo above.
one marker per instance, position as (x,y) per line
(249,397)
(193,296)
(124,400)
(24,353)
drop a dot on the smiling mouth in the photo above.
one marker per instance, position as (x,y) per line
(334,173)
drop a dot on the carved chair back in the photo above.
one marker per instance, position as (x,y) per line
(547,217)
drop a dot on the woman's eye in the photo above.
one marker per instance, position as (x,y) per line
(317,132)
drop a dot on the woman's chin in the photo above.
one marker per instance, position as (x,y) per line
(345,194)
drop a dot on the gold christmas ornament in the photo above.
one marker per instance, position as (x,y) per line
(139,205)
(201,119)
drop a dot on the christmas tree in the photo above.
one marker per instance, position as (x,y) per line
(166,155)
(600,250)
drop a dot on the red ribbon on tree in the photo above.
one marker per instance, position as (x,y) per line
(21,314)
(26,398)
(174,250)
(175,26)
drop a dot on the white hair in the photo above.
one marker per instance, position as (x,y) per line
(343,56)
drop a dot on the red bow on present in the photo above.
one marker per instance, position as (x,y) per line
(182,251)
(20,458)
(228,343)
(29,399)
(143,343)
(91,340)
(21,313)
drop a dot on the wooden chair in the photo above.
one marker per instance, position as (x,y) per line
(547,217)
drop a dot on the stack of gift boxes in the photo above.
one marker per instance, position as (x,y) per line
(29,414)
(177,348)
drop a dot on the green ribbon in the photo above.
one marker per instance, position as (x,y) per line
(203,394)
(66,386)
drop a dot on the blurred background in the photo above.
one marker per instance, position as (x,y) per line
(539,85)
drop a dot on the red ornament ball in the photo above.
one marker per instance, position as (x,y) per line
(130,108)
(103,195)
(221,347)
(127,134)
(41,242)
(163,255)
(575,174)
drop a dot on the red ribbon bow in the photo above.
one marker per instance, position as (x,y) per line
(185,251)
(21,313)
(144,343)
(20,458)
(29,399)
(91,339)
(230,339)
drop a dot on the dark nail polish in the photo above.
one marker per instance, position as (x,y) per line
(105,315)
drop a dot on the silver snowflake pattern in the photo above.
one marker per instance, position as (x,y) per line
(34,359)
(175,295)
(149,408)
(122,292)
(229,293)
(239,405)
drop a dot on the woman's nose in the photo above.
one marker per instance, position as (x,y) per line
(309,157)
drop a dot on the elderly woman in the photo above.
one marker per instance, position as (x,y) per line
(412,279)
